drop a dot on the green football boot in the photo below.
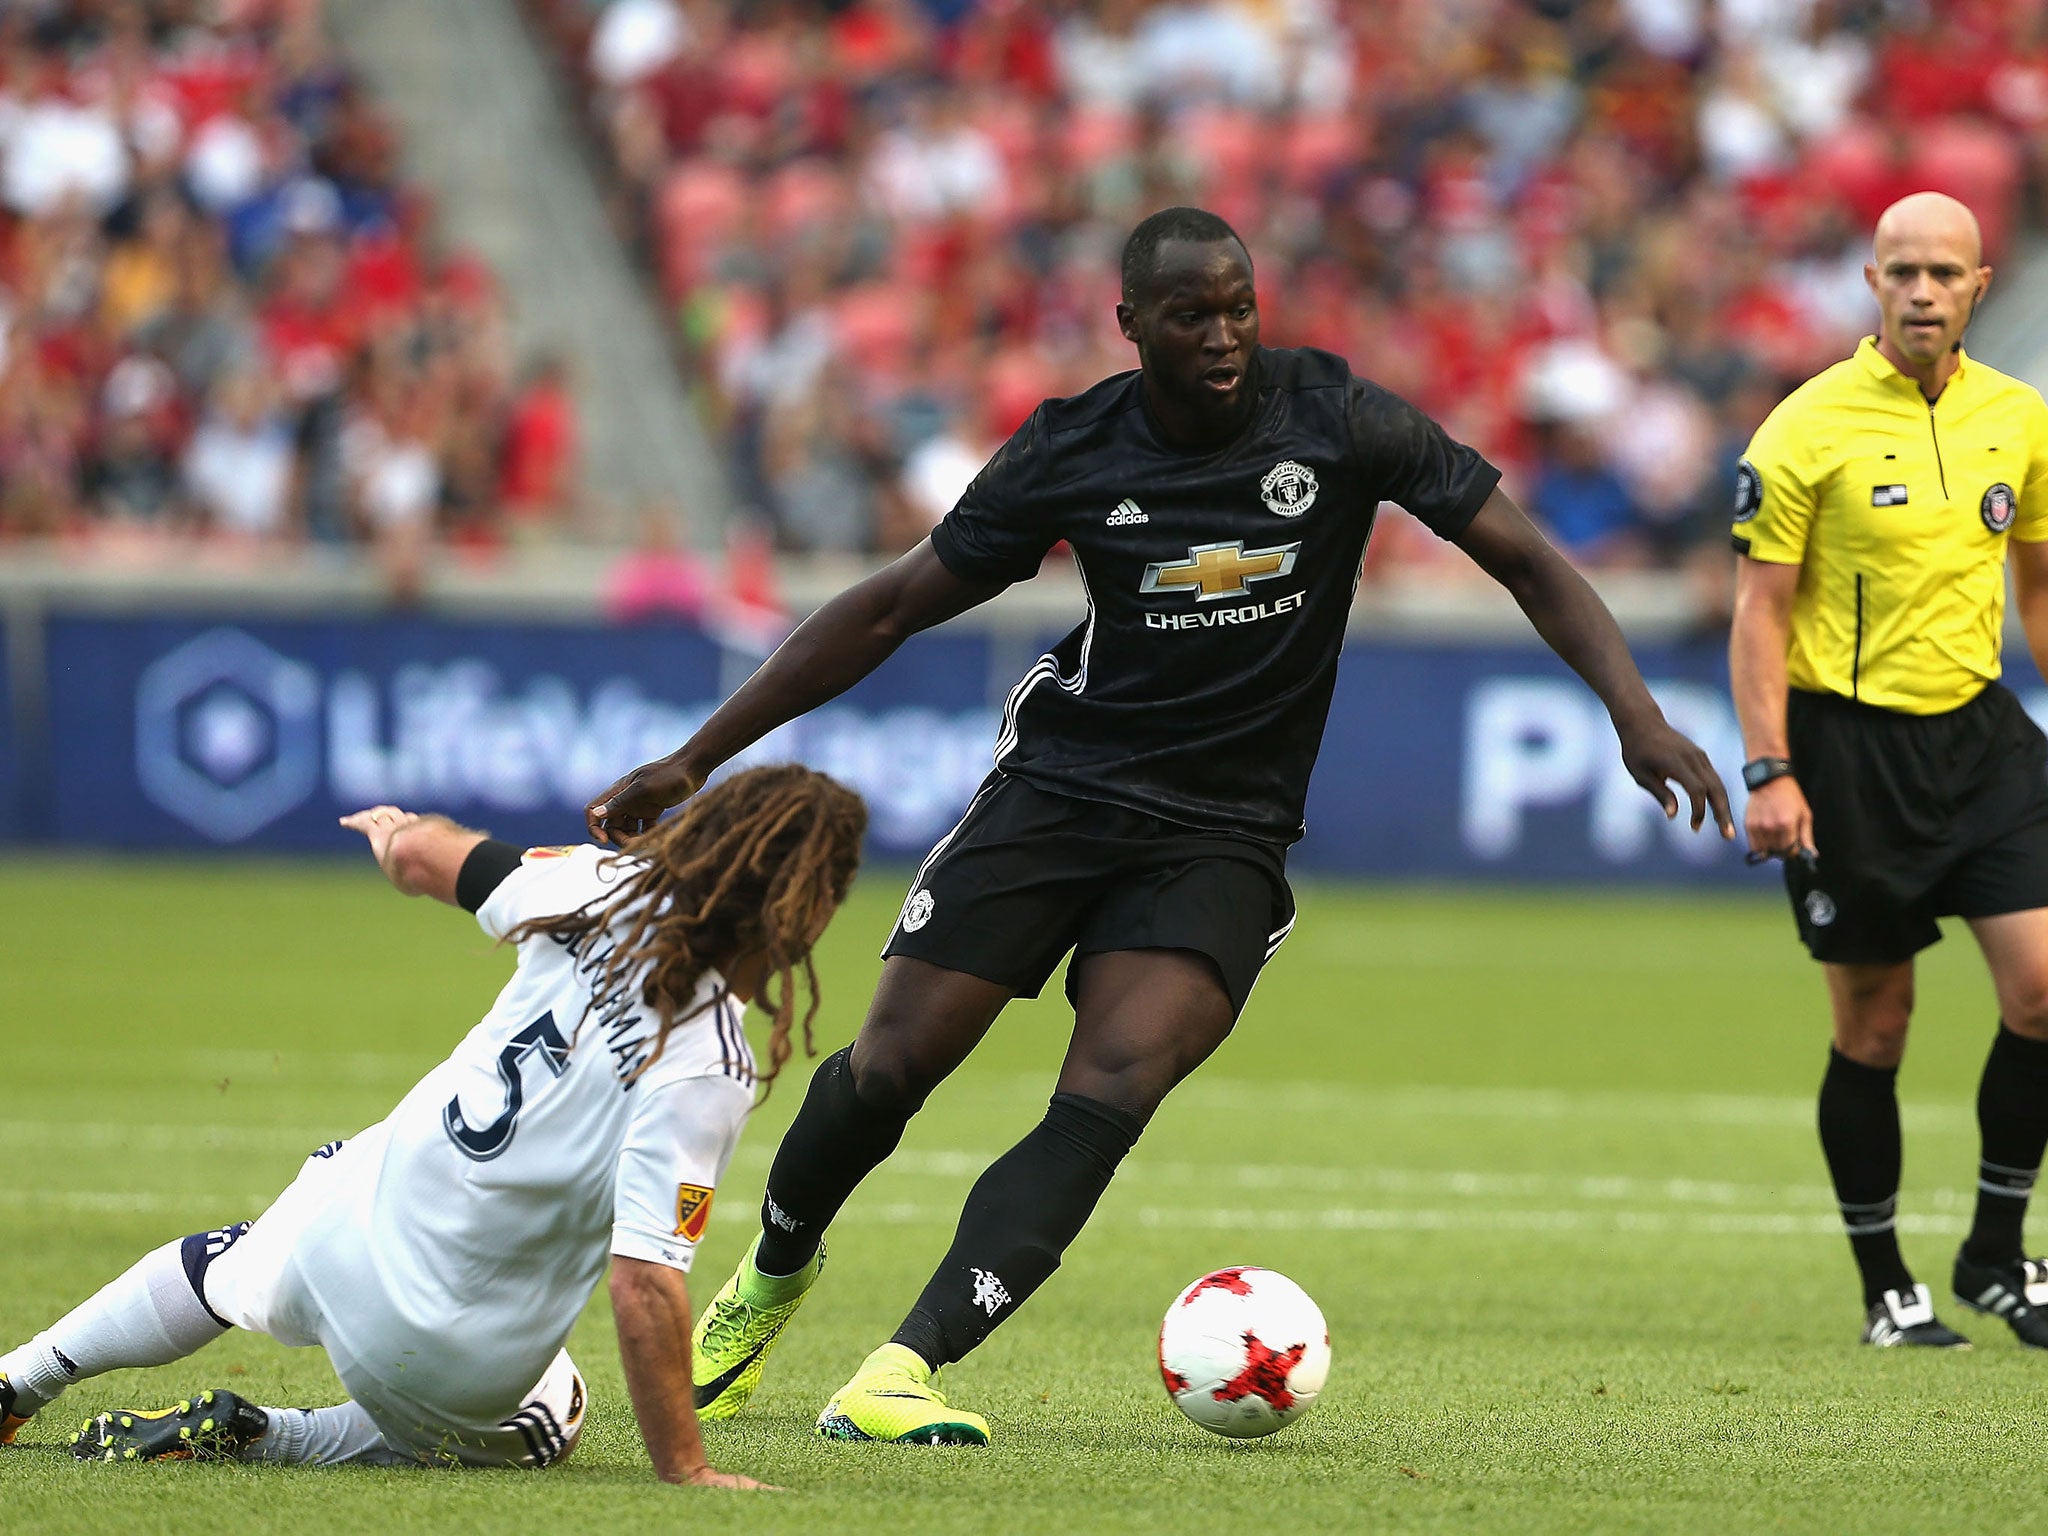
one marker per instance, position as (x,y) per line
(731,1342)
(895,1396)
(214,1426)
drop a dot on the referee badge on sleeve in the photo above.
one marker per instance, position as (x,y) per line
(1749,491)
(1998,508)
(693,1210)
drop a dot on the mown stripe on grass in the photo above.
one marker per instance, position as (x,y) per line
(1265,1219)
(959,1163)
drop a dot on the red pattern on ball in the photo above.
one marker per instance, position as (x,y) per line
(1175,1382)
(1264,1375)
(1231,1280)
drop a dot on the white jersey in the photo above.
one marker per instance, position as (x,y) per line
(463,1233)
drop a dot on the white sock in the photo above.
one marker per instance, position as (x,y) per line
(326,1436)
(149,1316)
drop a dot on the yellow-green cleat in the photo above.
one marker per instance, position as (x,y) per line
(894,1396)
(730,1344)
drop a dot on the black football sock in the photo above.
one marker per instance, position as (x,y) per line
(1019,1218)
(835,1141)
(1859,1134)
(2012,1117)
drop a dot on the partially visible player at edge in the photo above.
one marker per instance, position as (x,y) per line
(1149,778)
(441,1256)
(1875,514)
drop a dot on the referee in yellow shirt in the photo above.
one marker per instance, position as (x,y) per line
(1875,513)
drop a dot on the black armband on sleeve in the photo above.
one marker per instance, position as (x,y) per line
(489,862)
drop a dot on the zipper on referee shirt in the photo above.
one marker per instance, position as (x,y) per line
(1935,433)
(1856,661)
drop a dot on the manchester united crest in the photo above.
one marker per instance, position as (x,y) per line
(1289,489)
(1998,508)
(917,911)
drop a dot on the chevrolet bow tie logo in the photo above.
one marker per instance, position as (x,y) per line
(1219,570)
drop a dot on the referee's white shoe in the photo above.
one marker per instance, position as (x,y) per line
(2017,1292)
(1905,1319)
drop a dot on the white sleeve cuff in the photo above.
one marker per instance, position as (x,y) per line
(653,1248)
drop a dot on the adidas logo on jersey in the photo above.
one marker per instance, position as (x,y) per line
(1124,513)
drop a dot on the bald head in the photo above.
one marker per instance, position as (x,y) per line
(1930,219)
(1927,273)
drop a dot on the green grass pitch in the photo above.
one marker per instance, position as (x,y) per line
(1546,1160)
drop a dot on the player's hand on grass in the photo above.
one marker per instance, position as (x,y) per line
(710,1477)
(1778,822)
(636,802)
(380,824)
(1657,756)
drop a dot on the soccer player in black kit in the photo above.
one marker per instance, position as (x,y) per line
(1150,775)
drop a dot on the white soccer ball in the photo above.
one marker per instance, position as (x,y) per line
(1244,1352)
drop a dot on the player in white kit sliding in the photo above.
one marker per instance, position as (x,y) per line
(442,1255)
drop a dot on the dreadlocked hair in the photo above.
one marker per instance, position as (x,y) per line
(754,865)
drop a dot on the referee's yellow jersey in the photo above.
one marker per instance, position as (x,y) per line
(1896,511)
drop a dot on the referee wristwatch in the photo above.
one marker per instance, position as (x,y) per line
(1759,771)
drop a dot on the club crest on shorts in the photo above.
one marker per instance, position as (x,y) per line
(917,911)
(1820,908)
(1289,489)
(1998,508)
(1749,491)
(693,1210)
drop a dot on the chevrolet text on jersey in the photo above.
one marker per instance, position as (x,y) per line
(1243,613)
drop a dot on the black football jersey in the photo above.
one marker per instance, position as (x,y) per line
(1218,584)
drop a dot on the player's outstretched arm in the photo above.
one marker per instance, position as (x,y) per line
(1572,620)
(421,855)
(830,651)
(651,1307)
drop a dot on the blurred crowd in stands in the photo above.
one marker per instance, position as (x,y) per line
(1597,238)
(222,315)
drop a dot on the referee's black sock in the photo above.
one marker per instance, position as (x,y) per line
(1019,1218)
(835,1141)
(2012,1117)
(1859,1134)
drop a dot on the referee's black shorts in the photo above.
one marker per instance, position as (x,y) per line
(1916,817)
(1028,875)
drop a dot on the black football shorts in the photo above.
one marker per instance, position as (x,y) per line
(1028,875)
(1915,817)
